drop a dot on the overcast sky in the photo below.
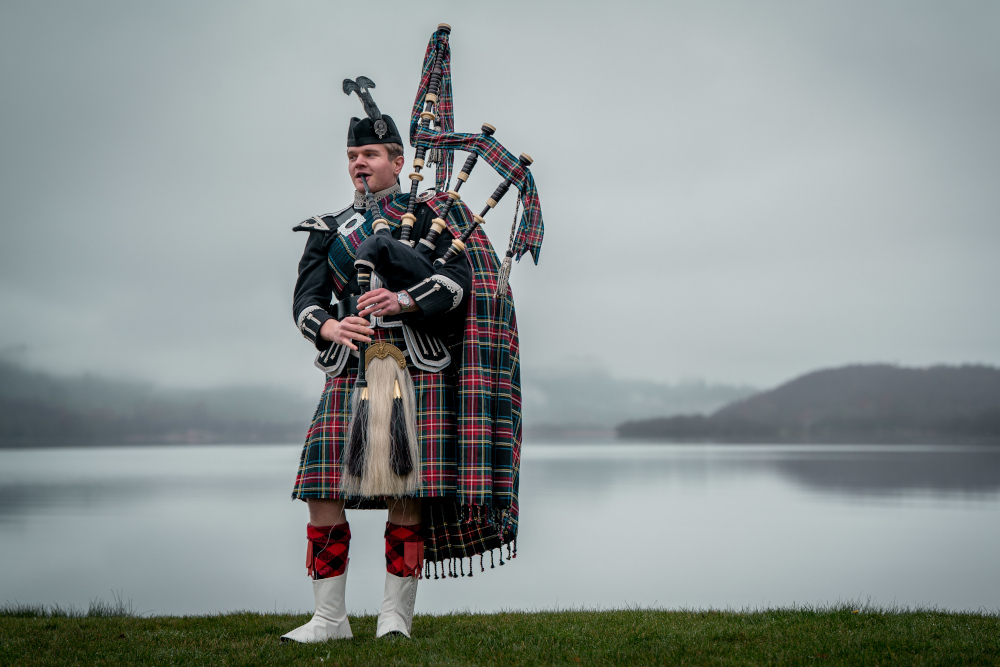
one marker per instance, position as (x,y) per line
(739,192)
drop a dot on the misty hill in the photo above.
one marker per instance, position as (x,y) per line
(37,408)
(574,403)
(40,409)
(862,403)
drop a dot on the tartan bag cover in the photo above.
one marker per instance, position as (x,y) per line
(489,378)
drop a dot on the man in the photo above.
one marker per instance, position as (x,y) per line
(414,321)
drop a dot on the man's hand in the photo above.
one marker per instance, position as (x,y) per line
(379,302)
(344,331)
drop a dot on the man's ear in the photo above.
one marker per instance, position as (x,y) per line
(397,165)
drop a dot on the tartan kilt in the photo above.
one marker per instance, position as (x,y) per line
(320,468)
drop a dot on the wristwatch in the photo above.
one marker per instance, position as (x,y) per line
(404,300)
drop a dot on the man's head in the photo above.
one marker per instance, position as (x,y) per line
(374,145)
(379,163)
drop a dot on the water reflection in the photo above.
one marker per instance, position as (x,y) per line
(602,524)
(970,473)
(849,470)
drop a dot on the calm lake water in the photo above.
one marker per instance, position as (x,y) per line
(184,530)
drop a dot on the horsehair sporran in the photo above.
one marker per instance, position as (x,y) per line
(378,478)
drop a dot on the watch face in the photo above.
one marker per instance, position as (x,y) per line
(404,299)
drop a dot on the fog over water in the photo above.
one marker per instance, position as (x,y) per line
(748,191)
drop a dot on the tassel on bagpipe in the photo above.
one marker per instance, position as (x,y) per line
(503,275)
(427,114)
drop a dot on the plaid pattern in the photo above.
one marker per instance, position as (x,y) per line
(404,550)
(320,468)
(327,555)
(444,108)
(343,250)
(530,230)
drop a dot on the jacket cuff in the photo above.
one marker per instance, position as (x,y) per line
(437,294)
(309,321)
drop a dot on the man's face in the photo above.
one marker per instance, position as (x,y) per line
(372,162)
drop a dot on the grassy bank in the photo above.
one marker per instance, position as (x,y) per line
(869,636)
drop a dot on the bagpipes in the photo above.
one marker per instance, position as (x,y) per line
(404,262)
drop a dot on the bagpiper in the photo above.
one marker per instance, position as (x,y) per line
(409,309)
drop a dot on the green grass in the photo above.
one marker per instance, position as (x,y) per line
(112,634)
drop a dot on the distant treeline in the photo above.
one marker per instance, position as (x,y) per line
(862,403)
(39,409)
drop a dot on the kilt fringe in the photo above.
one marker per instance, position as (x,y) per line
(454,568)
(455,532)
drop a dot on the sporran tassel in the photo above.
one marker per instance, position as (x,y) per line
(359,430)
(399,447)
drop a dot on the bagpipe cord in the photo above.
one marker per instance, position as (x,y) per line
(504,274)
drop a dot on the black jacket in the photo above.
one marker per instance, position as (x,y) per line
(441,297)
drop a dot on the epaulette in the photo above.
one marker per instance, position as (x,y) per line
(326,222)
